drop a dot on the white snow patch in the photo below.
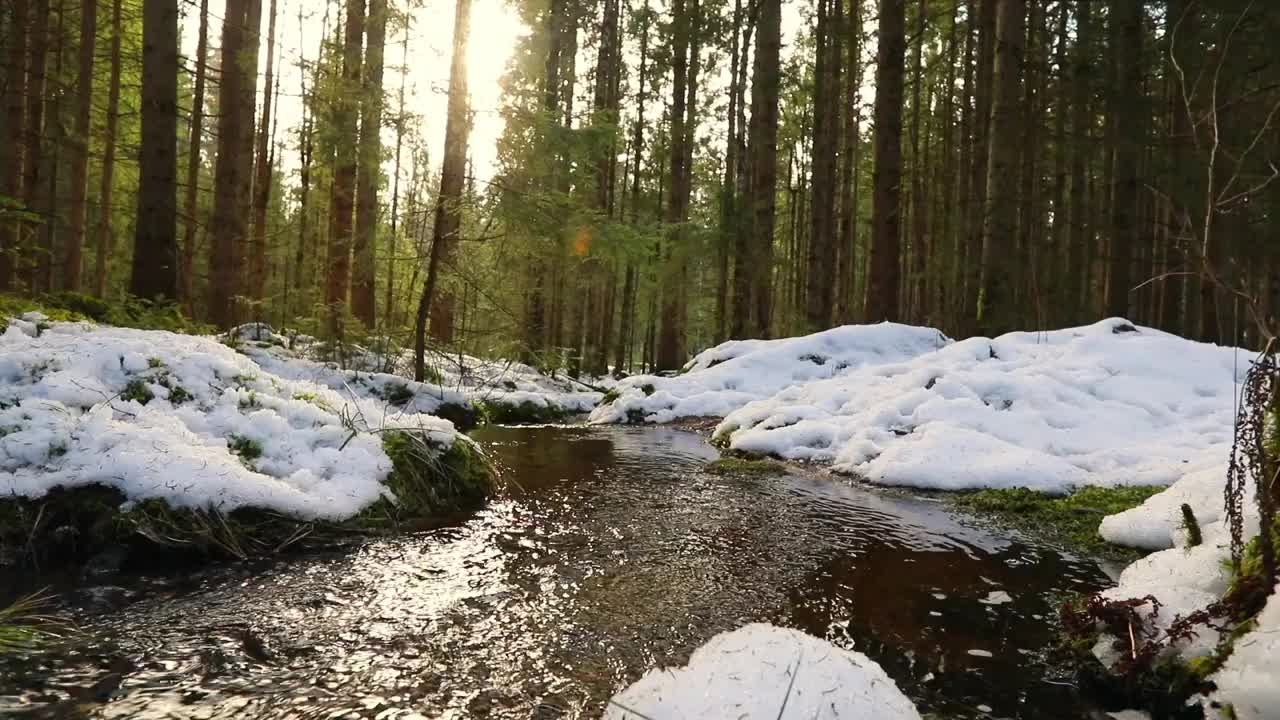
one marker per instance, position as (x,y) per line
(753,671)
(1250,678)
(462,379)
(1157,523)
(1106,404)
(732,374)
(73,415)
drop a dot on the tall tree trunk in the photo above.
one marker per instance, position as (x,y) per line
(11,151)
(190,221)
(1126,38)
(1080,237)
(338,271)
(977,206)
(821,272)
(363,290)
(670,351)
(78,205)
(448,212)
(155,241)
(232,175)
(761,204)
(883,272)
(846,305)
(32,189)
(730,226)
(388,316)
(1000,226)
(1057,269)
(47,201)
(104,240)
(263,171)
(918,254)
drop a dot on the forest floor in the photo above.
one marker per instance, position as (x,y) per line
(244,443)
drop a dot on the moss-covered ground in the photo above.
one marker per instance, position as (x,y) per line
(1071,520)
(734,465)
(68,527)
(525,413)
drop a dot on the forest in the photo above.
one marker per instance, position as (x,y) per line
(667,175)
(640,358)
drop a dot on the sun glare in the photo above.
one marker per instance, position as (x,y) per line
(495,29)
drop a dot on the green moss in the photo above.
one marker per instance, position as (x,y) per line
(247,449)
(68,526)
(609,397)
(397,394)
(179,395)
(746,466)
(647,389)
(464,416)
(427,482)
(138,390)
(525,413)
(1072,519)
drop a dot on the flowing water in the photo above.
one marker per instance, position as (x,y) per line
(613,551)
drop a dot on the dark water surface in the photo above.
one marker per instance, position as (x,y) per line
(614,551)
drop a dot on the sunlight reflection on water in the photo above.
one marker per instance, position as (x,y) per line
(613,552)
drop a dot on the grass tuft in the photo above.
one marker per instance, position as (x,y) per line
(25,625)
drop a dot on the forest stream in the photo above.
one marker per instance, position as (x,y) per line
(613,550)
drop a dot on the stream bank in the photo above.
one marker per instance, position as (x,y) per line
(614,551)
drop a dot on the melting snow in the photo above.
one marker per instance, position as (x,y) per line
(756,670)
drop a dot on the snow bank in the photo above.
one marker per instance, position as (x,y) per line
(754,671)
(187,420)
(458,379)
(1185,579)
(1106,404)
(732,374)
(1250,679)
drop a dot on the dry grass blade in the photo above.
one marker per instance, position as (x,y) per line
(791,684)
(626,709)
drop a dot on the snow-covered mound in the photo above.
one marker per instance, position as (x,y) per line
(1157,523)
(457,379)
(512,383)
(756,670)
(1185,579)
(1106,404)
(187,420)
(720,380)
(1250,678)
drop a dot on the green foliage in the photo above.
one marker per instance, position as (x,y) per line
(525,413)
(247,449)
(1191,526)
(126,312)
(396,393)
(1072,519)
(137,389)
